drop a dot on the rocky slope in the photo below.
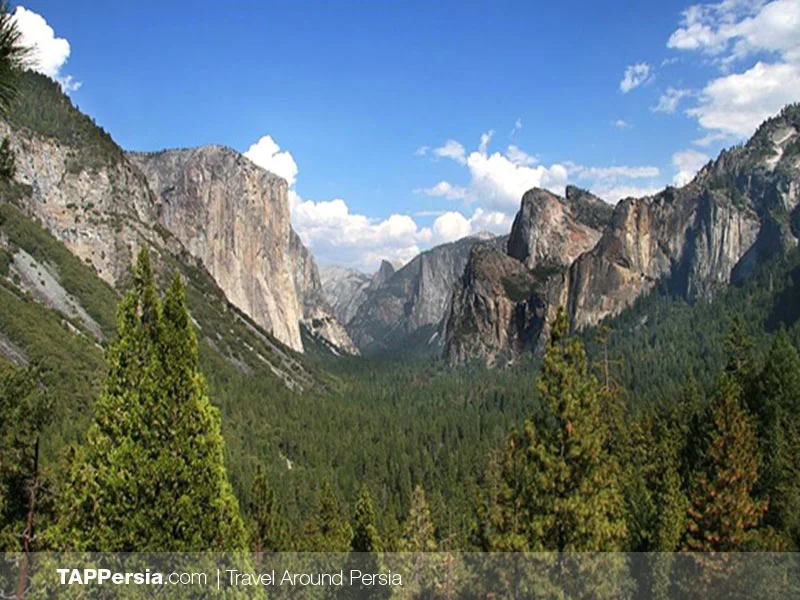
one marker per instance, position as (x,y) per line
(501,304)
(739,211)
(81,187)
(318,317)
(413,301)
(73,180)
(497,311)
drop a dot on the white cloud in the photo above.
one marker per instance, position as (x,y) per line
(336,235)
(613,172)
(498,181)
(421,151)
(618,181)
(734,29)
(635,75)
(736,104)
(451,149)
(268,155)
(612,192)
(49,53)
(669,100)
(687,163)
(520,157)
(444,189)
(620,124)
(516,128)
(451,226)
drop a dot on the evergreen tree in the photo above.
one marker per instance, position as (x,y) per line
(419,528)
(365,534)
(561,483)
(151,475)
(328,529)
(269,528)
(8,166)
(776,403)
(25,408)
(13,57)
(723,515)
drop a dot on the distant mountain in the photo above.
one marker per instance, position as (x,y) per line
(212,207)
(413,301)
(739,211)
(347,289)
(318,316)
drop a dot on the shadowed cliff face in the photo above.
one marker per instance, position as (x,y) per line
(498,310)
(347,289)
(501,305)
(318,316)
(739,211)
(414,299)
(234,217)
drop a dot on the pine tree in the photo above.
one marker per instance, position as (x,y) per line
(328,529)
(151,475)
(562,485)
(8,166)
(13,57)
(419,529)
(269,528)
(25,409)
(776,403)
(365,534)
(724,516)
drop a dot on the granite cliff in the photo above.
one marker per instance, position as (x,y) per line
(234,217)
(501,304)
(739,211)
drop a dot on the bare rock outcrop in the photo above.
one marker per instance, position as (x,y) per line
(234,217)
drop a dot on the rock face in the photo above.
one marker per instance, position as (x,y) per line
(550,231)
(501,305)
(347,289)
(498,310)
(96,204)
(318,316)
(414,301)
(739,211)
(234,217)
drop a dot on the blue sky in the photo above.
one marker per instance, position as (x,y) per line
(375,112)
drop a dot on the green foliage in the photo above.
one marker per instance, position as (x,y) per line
(365,533)
(327,530)
(418,535)
(13,56)
(25,409)
(724,516)
(269,528)
(42,108)
(78,279)
(775,400)
(559,482)
(151,475)
(8,166)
